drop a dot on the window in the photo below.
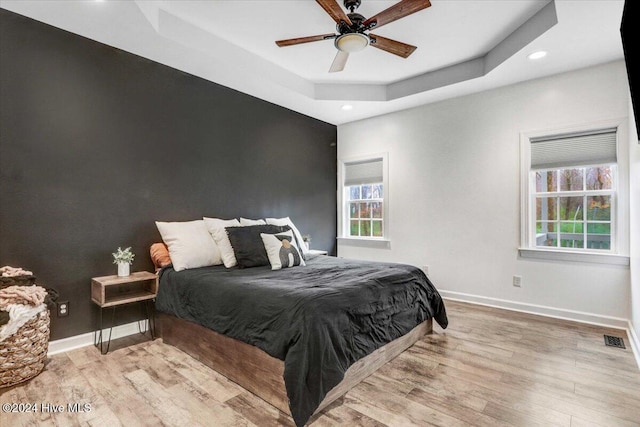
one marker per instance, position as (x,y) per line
(363,194)
(575,207)
(572,192)
(365,210)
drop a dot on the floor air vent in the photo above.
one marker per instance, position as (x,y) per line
(612,341)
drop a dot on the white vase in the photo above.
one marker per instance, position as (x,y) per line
(307,245)
(123,269)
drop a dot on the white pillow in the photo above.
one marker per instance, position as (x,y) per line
(214,223)
(216,229)
(246,222)
(190,244)
(226,250)
(287,221)
(282,250)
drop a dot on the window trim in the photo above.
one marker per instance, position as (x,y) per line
(343,222)
(619,253)
(587,257)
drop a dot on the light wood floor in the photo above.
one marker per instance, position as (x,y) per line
(489,368)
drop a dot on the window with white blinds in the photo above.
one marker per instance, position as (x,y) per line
(575,149)
(363,172)
(573,191)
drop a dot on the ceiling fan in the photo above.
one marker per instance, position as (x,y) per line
(352,29)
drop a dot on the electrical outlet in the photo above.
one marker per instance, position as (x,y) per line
(425,268)
(63,308)
(517,281)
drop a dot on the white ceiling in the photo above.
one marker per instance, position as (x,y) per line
(464,46)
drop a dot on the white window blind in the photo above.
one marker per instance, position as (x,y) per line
(576,149)
(366,172)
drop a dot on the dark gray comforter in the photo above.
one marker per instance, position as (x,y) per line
(318,319)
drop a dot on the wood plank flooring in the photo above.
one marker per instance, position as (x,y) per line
(491,367)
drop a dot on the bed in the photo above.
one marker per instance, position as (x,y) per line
(300,337)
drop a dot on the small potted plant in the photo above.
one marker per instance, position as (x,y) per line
(124,258)
(307,241)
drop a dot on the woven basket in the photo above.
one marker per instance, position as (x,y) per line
(23,354)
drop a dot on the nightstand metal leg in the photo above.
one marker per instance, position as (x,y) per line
(151,318)
(98,339)
(148,314)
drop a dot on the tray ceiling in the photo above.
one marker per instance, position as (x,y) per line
(464,46)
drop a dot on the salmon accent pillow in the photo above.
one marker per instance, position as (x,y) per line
(160,255)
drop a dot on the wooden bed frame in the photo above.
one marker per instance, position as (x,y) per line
(261,374)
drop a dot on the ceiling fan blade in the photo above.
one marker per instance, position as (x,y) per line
(299,40)
(334,10)
(399,10)
(339,62)
(392,46)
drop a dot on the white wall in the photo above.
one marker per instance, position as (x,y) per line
(455,193)
(634,168)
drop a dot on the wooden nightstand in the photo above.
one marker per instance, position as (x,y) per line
(114,291)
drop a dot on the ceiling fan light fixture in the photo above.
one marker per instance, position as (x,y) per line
(351,42)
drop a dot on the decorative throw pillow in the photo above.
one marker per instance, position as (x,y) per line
(190,244)
(248,246)
(296,233)
(226,251)
(216,223)
(246,222)
(160,255)
(216,229)
(282,250)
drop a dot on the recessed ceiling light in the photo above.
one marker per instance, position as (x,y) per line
(537,55)
(347,107)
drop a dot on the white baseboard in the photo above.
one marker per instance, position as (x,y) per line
(84,340)
(634,342)
(558,313)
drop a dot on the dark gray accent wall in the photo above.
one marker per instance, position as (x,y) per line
(96,144)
